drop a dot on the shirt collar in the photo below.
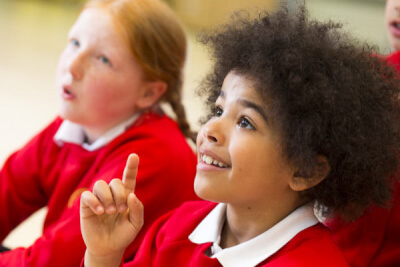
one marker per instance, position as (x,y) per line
(70,132)
(256,250)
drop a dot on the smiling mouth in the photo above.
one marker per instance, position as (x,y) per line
(210,161)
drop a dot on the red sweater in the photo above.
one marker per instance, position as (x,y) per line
(166,244)
(42,173)
(374,238)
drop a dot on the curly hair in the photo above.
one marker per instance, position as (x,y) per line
(331,96)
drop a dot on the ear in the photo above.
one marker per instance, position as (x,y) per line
(151,93)
(301,182)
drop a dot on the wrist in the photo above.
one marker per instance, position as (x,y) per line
(109,260)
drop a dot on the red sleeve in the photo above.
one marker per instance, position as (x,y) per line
(21,190)
(148,250)
(164,181)
(374,238)
(167,242)
(394,60)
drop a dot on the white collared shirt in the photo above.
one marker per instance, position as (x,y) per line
(70,132)
(256,250)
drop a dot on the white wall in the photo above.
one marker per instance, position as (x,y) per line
(363,18)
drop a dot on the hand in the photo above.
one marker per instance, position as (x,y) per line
(111,217)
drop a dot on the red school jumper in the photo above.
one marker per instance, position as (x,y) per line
(43,173)
(166,244)
(374,238)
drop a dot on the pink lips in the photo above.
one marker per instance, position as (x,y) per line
(207,167)
(67,93)
(395,29)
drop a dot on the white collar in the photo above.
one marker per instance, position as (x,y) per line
(256,250)
(70,132)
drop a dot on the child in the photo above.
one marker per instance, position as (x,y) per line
(302,118)
(123,58)
(374,238)
(392,22)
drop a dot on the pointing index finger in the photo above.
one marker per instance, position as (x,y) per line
(130,172)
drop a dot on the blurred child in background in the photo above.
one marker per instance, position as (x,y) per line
(123,58)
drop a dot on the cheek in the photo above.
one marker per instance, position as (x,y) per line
(199,138)
(244,155)
(97,95)
(99,86)
(61,66)
(254,157)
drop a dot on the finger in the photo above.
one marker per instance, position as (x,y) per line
(119,194)
(91,202)
(103,192)
(130,172)
(135,212)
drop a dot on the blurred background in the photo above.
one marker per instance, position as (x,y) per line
(33,34)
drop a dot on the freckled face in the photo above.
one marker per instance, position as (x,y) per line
(98,79)
(392,22)
(240,158)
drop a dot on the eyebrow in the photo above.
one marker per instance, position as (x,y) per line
(253,106)
(249,104)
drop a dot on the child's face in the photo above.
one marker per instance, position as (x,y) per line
(240,158)
(98,79)
(392,21)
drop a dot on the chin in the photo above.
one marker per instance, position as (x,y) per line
(202,192)
(205,194)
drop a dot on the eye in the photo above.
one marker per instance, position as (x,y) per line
(75,42)
(245,123)
(105,60)
(218,111)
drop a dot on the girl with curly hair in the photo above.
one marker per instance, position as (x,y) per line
(302,119)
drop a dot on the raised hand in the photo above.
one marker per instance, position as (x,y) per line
(111,217)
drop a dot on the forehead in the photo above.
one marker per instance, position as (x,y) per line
(238,86)
(96,23)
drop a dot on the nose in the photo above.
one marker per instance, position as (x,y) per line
(212,131)
(396,6)
(76,66)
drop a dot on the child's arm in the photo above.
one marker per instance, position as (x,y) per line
(111,217)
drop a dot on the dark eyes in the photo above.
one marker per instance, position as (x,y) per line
(243,122)
(75,42)
(104,60)
(218,111)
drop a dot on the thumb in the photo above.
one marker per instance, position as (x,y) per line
(130,172)
(135,212)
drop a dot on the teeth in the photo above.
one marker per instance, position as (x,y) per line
(209,160)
